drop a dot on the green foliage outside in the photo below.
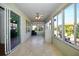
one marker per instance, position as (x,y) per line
(69,29)
(77,31)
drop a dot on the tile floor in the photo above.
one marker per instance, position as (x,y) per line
(35,46)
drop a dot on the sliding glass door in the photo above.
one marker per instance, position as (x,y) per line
(14,29)
(2,42)
(9,30)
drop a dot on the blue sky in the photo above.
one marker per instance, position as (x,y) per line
(69,14)
(78,13)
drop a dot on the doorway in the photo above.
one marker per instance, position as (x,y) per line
(38,30)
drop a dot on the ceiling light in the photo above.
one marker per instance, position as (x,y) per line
(38,16)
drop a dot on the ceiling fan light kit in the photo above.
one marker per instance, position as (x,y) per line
(38,16)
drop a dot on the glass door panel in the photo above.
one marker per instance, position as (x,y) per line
(14,31)
(2,43)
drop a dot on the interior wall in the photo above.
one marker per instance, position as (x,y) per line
(47,33)
(24,35)
(66,49)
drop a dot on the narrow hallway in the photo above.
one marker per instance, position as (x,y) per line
(35,46)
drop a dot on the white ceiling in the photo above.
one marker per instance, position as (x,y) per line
(45,9)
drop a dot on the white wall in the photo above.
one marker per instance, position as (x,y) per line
(47,33)
(66,48)
(24,35)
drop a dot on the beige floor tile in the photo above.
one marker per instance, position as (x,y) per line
(36,47)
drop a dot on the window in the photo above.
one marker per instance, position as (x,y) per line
(77,28)
(55,25)
(69,24)
(60,25)
(71,32)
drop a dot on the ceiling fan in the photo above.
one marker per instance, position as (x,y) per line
(38,16)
